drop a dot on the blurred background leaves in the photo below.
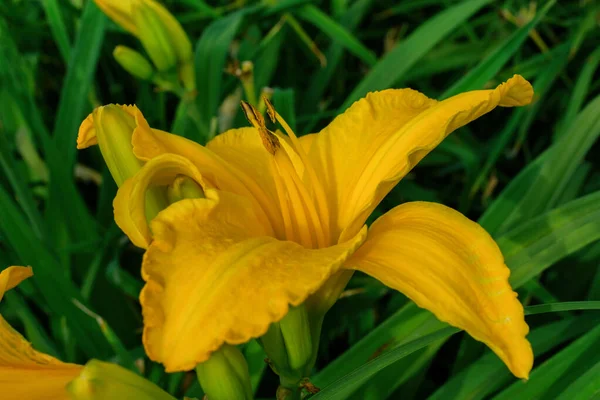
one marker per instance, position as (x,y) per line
(530,176)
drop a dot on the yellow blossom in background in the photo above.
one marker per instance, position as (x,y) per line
(24,372)
(161,35)
(28,374)
(280,221)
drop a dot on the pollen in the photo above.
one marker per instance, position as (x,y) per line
(256,119)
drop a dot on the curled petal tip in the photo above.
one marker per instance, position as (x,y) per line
(517,91)
(87,133)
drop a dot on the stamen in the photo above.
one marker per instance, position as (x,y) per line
(314,182)
(256,119)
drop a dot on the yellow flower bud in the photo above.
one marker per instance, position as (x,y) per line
(160,33)
(133,62)
(105,381)
(225,375)
(120,12)
(112,128)
(153,35)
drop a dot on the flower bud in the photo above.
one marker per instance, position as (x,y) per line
(153,35)
(289,346)
(112,128)
(295,329)
(225,375)
(133,62)
(160,33)
(105,381)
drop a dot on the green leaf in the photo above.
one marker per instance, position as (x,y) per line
(522,118)
(78,82)
(395,64)
(49,277)
(58,28)
(582,86)
(336,32)
(345,386)
(489,373)
(491,65)
(211,54)
(534,246)
(540,185)
(557,372)
(585,387)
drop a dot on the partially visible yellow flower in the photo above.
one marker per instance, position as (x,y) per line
(28,374)
(282,223)
(160,33)
(24,372)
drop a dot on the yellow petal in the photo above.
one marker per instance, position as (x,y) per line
(12,276)
(130,202)
(451,266)
(28,374)
(363,153)
(216,171)
(87,130)
(120,12)
(213,276)
(24,372)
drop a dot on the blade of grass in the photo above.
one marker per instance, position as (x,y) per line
(49,277)
(58,28)
(344,387)
(491,65)
(211,53)
(395,64)
(522,118)
(488,373)
(547,379)
(547,176)
(336,32)
(80,74)
(586,387)
(582,86)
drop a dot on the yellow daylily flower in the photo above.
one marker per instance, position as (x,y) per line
(282,224)
(28,374)
(24,372)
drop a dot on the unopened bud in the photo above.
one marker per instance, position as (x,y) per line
(112,128)
(225,375)
(295,329)
(104,381)
(133,62)
(153,35)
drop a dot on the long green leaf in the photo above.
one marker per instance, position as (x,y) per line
(82,65)
(540,185)
(491,65)
(558,370)
(337,32)
(394,65)
(58,28)
(211,54)
(49,277)
(489,373)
